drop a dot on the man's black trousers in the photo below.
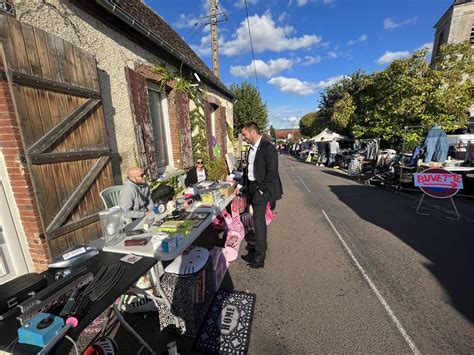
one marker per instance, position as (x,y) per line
(259,204)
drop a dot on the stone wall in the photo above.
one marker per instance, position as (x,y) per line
(113,52)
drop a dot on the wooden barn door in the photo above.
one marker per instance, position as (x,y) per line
(56,90)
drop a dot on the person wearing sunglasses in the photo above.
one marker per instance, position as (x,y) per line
(196,174)
(134,198)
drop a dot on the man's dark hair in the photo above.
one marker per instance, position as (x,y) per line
(252,126)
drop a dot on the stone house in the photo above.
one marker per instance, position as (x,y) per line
(456,26)
(134,115)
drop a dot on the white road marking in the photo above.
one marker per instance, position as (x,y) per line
(291,166)
(303,183)
(395,320)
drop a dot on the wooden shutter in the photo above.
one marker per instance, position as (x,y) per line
(57,95)
(142,121)
(223,122)
(207,117)
(184,123)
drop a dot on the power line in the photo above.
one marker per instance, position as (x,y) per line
(191,29)
(196,32)
(251,46)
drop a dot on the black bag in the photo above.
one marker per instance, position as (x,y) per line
(162,194)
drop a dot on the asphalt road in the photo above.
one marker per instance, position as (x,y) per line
(352,268)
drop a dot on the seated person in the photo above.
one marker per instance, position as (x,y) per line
(134,198)
(196,174)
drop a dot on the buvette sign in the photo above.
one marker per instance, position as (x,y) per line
(439,183)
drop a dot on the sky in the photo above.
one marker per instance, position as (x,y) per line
(302,46)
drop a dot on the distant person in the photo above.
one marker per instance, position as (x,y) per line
(333,149)
(321,151)
(196,174)
(134,198)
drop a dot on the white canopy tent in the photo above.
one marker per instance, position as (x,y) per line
(327,135)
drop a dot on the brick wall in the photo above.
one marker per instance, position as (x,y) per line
(20,180)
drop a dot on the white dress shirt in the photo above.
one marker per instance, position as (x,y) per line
(252,154)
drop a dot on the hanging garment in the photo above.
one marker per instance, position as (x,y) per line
(436,145)
(371,150)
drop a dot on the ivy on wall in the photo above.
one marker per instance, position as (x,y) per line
(217,168)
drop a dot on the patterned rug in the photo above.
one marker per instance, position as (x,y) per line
(226,329)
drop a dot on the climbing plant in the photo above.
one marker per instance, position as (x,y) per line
(216,169)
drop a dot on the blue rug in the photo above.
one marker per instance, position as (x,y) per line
(228,323)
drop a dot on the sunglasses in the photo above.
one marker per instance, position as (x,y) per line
(142,175)
(199,162)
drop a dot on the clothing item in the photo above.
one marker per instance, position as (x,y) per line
(135,200)
(436,145)
(371,150)
(201,175)
(415,156)
(192,177)
(333,147)
(251,159)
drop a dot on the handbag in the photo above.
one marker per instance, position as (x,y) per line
(240,202)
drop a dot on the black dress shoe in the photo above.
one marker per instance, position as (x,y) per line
(255,264)
(250,257)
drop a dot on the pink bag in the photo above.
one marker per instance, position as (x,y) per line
(270,216)
(235,234)
(240,202)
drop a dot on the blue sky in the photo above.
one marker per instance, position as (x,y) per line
(301,46)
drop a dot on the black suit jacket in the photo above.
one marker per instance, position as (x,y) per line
(191,177)
(265,170)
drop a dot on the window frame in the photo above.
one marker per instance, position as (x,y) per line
(166,122)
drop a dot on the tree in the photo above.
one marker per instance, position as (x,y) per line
(248,107)
(306,123)
(271,131)
(408,92)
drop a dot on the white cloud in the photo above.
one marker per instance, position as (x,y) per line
(329,81)
(263,69)
(302,88)
(428,45)
(390,23)
(282,16)
(241,3)
(293,86)
(310,60)
(186,21)
(389,57)
(301,3)
(362,38)
(328,2)
(284,116)
(266,36)
(332,55)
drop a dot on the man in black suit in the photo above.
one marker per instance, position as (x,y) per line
(261,183)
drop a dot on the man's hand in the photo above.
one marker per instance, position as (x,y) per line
(237,191)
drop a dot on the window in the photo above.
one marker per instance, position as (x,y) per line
(159,120)
(471,38)
(213,119)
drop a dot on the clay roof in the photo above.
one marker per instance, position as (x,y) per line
(283,133)
(151,19)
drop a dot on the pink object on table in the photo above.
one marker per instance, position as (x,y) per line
(235,234)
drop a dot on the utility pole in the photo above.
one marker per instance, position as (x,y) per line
(214,44)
